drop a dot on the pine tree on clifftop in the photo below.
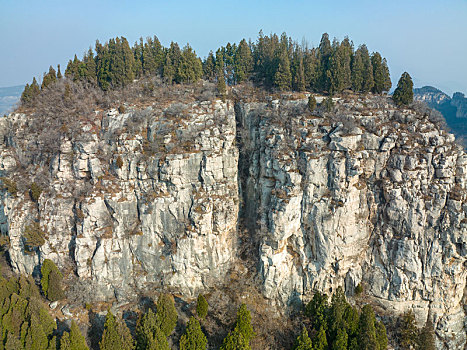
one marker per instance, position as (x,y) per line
(380,73)
(403,95)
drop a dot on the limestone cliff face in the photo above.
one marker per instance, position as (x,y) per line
(369,195)
(147,216)
(155,197)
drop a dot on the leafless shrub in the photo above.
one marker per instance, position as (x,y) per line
(208,93)
(136,121)
(174,110)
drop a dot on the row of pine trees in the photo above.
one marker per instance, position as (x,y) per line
(272,62)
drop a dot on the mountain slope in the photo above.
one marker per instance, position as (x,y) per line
(453,109)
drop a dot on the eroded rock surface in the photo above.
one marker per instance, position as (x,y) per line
(154,198)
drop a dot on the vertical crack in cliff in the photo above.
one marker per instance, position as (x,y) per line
(248,211)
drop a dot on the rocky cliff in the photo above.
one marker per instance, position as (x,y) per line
(156,197)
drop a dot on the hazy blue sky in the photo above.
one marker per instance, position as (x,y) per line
(427,38)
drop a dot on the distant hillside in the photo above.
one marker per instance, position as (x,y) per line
(454,109)
(9,96)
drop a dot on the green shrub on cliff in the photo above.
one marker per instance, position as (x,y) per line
(33,236)
(202,307)
(51,281)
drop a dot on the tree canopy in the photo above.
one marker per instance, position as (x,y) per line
(272,62)
(403,95)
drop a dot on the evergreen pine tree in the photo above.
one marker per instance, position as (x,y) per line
(243,324)
(324,53)
(148,61)
(122,63)
(299,76)
(380,74)
(138,55)
(71,71)
(202,307)
(65,343)
(328,103)
(283,76)
(303,341)
(381,336)
(34,89)
(77,340)
(408,331)
(168,70)
(157,54)
(357,71)
(239,338)
(190,68)
(116,335)
(194,338)
(172,61)
(221,88)
(368,81)
(209,67)
(387,78)
(367,329)
(341,340)
(320,341)
(235,341)
(158,342)
(311,103)
(51,281)
(59,73)
(311,67)
(317,311)
(35,338)
(243,62)
(339,67)
(403,95)
(229,62)
(166,313)
(53,343)
(336,321)
(26,95)
(145,329)
(88,70)
(103,65)
(351,319)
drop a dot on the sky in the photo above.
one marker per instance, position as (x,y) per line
(425,38)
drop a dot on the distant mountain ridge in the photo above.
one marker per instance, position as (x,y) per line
(9,96)
(454,109)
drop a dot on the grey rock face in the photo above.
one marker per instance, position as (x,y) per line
(150,216)
(367,196)
(153,198)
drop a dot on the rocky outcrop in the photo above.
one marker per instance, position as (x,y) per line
(367,194)
(160,211)
(155,197)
